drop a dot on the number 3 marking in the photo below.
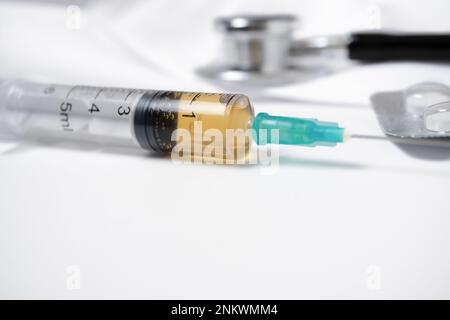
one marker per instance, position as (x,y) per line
(123,111)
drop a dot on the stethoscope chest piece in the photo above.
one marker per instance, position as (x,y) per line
(255,50)
(261,50)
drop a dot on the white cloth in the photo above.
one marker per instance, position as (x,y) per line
(363,220)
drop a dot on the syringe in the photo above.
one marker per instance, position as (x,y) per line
(149,119)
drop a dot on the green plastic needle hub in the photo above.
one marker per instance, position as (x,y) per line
(297,131)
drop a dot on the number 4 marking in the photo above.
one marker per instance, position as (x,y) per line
(94,108)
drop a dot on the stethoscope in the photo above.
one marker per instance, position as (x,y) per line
(261,49)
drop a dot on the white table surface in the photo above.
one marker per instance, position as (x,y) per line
(367,219)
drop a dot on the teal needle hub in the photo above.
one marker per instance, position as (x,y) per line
(297,131)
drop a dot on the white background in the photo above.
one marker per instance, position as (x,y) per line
(367,219)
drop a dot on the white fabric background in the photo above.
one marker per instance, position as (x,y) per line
(323,226)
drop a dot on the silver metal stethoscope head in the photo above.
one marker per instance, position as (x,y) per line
(260,50)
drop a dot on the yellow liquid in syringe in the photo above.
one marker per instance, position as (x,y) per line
(218,125)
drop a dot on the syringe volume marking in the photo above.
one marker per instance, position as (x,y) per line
(122,111)
(70,91)
(98,93)
(194,98)
(65,108)
(226,98)
(129,94)
(94,108)
(192,115)
(49,90)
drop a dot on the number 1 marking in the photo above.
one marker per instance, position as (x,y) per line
(192,115)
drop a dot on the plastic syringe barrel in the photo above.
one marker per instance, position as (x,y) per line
(298,131)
